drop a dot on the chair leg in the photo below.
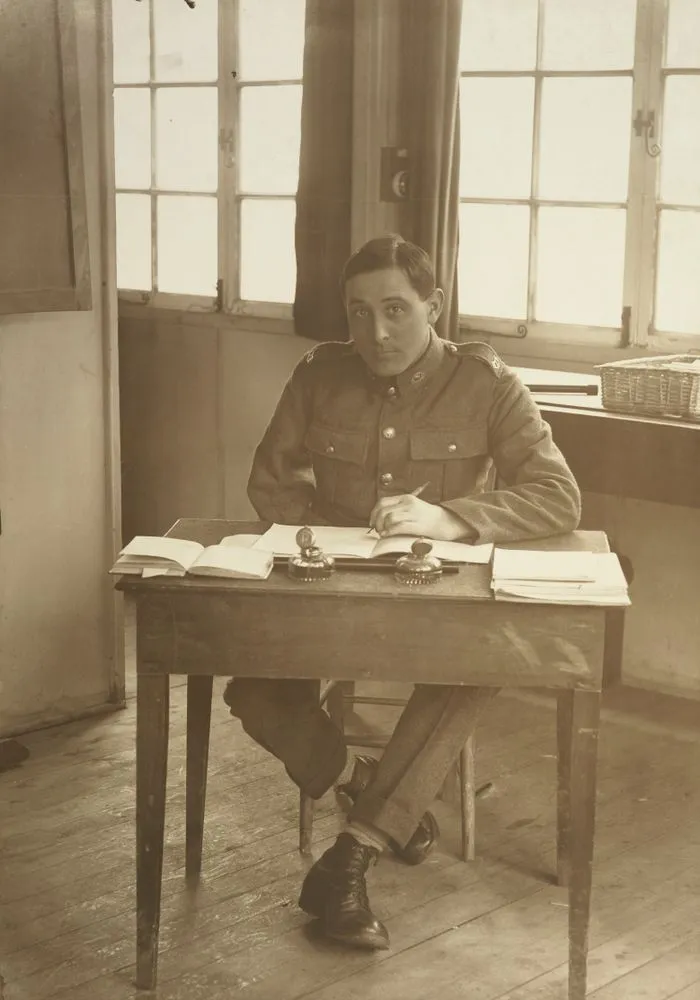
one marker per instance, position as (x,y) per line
(306,823)
(467,784)
(335,703)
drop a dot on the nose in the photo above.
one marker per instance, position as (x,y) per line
(380,334)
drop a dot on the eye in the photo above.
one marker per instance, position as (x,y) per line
(395,309)
(360,312)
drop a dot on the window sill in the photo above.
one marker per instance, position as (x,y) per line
(179,317)
(540,352)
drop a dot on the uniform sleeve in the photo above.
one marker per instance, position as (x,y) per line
(537,495)
(281,485)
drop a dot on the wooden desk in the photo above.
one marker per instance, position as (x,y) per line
(280,628)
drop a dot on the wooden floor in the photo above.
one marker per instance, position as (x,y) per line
(492,929)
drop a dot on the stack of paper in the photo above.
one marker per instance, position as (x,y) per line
(559,577)
(360,543)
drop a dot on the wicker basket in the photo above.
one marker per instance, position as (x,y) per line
(666,386)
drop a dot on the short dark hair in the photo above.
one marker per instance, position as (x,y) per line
(384,252)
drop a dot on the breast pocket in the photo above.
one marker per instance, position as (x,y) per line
(338,458)
(454,461)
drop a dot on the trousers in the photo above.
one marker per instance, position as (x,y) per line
(285,717)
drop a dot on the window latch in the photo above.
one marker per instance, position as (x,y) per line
(646,126)
(626,331)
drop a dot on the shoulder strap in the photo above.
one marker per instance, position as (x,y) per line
(330,350)
(483,353)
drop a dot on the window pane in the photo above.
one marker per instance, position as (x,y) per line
(493,260)
(266,54)
(680,146)
(496,137)
(678,288)
(269,134)
(589,34)
(585,139)
(268,259)
(133,214)
(187,245)
(498,34)
(186,41)
(131,44)
(580,265)
(132,138)
(187,151)
(683,39)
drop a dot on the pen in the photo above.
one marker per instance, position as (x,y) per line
(419,489)
(414,493)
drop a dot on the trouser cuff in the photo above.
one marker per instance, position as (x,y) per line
(395,821)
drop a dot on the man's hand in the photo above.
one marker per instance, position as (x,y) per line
(409,515)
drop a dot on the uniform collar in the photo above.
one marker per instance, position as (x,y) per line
(416,376)
(422,369)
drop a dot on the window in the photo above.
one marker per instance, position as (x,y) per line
(207,104)
(579,190)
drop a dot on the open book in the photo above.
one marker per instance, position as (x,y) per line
(359,543)
(147,555)
(555,577)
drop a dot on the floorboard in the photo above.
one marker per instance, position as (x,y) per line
(491,930)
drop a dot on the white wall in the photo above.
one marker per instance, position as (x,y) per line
(56,610)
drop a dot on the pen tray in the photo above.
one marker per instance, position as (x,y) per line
(382,564)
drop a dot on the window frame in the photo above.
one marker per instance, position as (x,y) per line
(228,195)
(636,334)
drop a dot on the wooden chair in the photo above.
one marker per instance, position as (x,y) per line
(335,696)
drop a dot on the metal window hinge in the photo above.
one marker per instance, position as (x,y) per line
(227,146)
(219,300)
(646,126)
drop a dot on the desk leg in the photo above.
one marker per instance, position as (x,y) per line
(614,642)
(565,704)
(199,694)
(584,757)
(152,718)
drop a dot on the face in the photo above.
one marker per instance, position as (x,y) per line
(389,321)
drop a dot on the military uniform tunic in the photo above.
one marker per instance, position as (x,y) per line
(340,439)
(459,420)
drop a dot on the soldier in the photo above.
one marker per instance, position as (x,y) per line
(358,428)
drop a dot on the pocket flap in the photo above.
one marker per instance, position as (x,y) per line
(347,446)
(439,445)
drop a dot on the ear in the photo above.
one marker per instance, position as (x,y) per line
(435,302)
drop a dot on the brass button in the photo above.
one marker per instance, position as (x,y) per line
(452,446)
(389,433)
(452,348)
(391,392)
(386,479)
(418,377)
(330,449)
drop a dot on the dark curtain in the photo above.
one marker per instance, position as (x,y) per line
(322,235)
(430,122)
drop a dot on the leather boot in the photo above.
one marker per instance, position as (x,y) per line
(427,832)
(335,891)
